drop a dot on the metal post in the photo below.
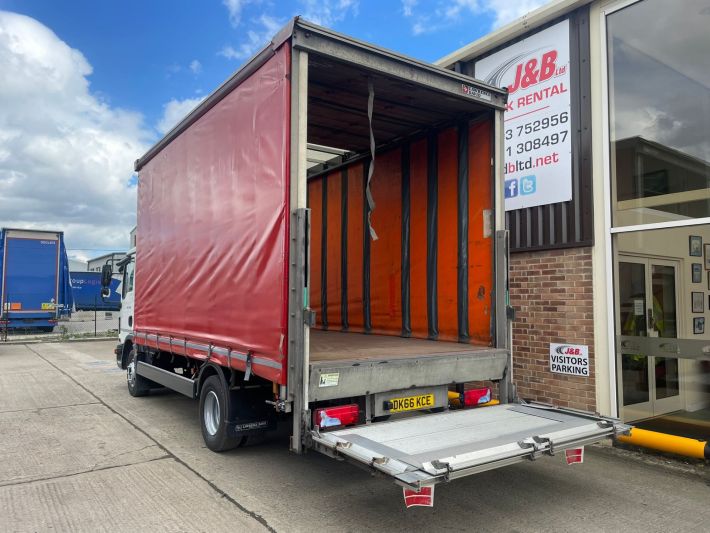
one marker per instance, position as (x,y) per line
(95,306)
(502,300)
(298,331)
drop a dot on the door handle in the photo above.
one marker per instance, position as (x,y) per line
(651,323)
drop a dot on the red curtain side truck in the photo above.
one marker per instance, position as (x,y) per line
(322,239)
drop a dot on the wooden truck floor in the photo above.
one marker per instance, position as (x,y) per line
(347,346)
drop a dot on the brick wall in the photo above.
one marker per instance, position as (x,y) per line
(551,292)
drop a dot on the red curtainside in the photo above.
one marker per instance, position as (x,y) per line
(213,242)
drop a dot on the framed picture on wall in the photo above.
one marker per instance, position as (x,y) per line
(707,256)
(698,299)
(699,325)
(697,272)
(695,245)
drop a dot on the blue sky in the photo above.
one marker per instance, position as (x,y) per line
(129,70)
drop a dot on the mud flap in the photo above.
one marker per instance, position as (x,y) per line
(249,412)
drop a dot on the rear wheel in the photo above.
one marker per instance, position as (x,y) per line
(137,385)
(214,407)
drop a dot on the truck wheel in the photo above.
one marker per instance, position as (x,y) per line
(214,406)
(137,385)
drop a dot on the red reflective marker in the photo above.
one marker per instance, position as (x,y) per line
(574,455)
(423,497)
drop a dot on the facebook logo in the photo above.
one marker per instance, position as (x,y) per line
(528,185)
(511,188)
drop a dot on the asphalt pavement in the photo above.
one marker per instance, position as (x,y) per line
(79,454)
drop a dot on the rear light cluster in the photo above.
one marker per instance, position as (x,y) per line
(470,398)
(337,416)
(476,396)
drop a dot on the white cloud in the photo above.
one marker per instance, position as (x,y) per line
(408,7)
(450,12)
(81,256)
(263,28)
(328,12)
(195,66)
(174,111)
(229,52)
(455,8)
(235,8)
(509,10)
(266,28)
(66,156)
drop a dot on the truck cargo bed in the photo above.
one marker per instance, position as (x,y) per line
(345,364)
(347,346)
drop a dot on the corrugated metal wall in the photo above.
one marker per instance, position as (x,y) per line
(564,224)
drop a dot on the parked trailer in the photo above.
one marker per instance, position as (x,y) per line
(86,290)
(354,294)
(34,278)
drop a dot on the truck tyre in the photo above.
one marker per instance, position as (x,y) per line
(214,407)
(137,385)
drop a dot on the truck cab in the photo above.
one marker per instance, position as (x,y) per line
(125,321)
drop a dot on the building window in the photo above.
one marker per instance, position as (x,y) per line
(659,122)
(659,103)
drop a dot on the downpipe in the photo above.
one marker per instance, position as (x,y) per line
(663,442)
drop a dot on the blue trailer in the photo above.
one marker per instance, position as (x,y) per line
(34,278)
(86,289)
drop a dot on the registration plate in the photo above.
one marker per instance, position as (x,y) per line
(411,403)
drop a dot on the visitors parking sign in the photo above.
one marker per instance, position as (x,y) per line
(572,359)
(538,153)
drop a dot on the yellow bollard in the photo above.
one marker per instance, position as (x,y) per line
(455,399)
(667,443)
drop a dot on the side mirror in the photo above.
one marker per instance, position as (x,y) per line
(106,275)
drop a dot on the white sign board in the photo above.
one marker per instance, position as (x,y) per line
(572,359)
(538,147)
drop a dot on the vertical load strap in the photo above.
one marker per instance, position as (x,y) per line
(371,170)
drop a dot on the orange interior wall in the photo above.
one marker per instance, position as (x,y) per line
(480,246)
(447,257)
(385,265)
(356,193)
(334,280)
(417,237)
(386,251)
(315,204)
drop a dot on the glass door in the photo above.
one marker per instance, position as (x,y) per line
(647,305)
(666,389)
